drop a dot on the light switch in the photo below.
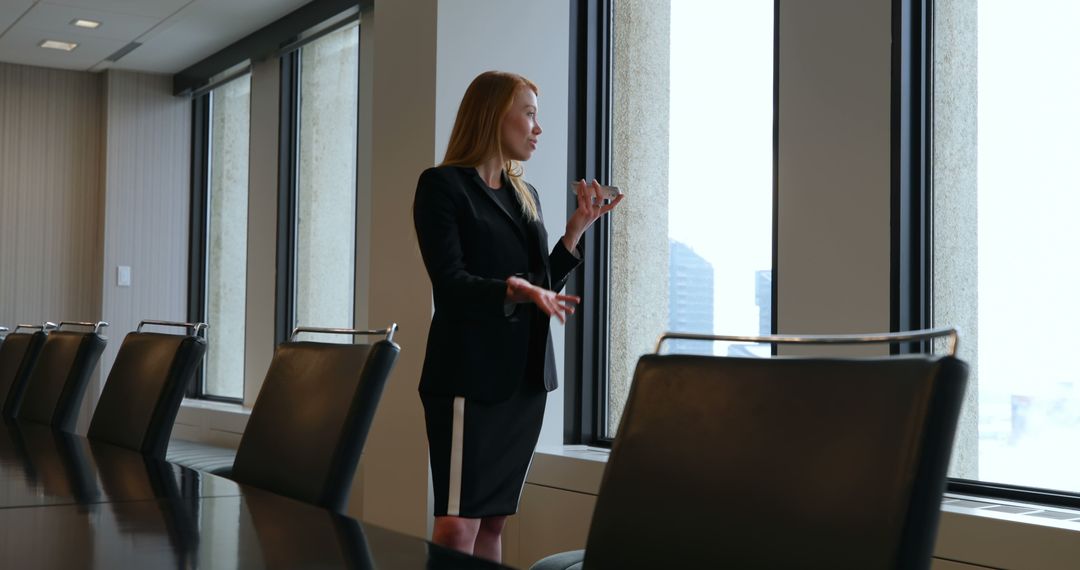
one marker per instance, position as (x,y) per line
(123,276)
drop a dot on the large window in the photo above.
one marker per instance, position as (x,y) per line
(691,144)
(1004,236)
(312,278)
(225,115)
(324,207)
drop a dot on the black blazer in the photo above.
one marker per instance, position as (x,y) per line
(478,345)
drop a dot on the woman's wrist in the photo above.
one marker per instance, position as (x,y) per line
(517,289)
(570,241)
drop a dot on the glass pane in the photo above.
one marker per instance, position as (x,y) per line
(226,272)
(1005,237)
(692,123)
(326,189)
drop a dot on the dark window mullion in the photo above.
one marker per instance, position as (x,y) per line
(911,173)
(199,224)
(586,369)
(288,150)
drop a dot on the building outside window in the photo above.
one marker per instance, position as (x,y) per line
(691,145)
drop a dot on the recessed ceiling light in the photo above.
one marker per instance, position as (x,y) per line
(54,44)
(80,23)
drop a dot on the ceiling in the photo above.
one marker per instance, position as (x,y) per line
(174,33)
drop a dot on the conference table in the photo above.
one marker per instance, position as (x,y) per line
(69,502)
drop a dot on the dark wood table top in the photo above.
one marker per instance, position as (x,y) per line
(68,502)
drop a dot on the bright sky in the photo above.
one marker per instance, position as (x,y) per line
(1029,239)
(1029,191)
(721,146)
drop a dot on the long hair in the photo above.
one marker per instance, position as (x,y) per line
(477,134)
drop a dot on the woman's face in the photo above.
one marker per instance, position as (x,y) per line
(520,131)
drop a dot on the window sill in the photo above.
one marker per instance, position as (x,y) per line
(576,468)
(220,423)
(1005,534)
(974,530)
(224,407)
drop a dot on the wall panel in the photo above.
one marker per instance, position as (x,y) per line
(147,198)
(50,194)
(833,167)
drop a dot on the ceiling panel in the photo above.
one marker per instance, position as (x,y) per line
(20,45)
(57,18)
(200,30)
(152,8)
(10,10)
(175,33)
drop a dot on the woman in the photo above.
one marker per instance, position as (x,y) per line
(489,361)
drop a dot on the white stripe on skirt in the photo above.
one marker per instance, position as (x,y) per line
(453,503)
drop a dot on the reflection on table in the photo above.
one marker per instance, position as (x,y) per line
(69,502)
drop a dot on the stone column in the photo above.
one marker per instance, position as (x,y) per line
(955,189)
(640,118)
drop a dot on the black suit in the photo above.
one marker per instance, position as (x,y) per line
(479,346)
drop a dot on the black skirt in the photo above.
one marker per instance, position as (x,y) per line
(480,452)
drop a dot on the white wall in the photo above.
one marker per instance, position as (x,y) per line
(833,202)
(262,224)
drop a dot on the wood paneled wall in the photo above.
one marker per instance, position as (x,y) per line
(94,173)
(51,186)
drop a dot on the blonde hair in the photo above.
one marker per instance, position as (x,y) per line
(477,133)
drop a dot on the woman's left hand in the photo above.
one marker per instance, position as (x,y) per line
(590,206)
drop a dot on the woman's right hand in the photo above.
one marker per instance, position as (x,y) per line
(553,304)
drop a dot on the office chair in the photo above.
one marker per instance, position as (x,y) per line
(307,428)
(57,385)
(142,394)
(18,355)
(784,462)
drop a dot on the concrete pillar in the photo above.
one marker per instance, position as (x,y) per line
(955,183)
(640,128)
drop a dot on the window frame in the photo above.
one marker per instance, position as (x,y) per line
(912,211)
(289,173)
(589,152)
(202,108)
(589,155)
(279,39)
(198,225)
(911,170)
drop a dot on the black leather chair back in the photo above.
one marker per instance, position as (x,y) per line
(57,385)
(142,395)
(778,463)
(18,355)
(308,426)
